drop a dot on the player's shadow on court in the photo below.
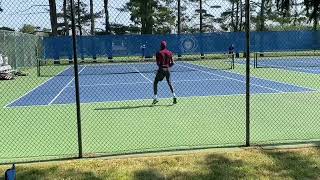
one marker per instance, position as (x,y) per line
(132,107)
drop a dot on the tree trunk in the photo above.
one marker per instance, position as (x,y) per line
(237,16)
(92,17)
(106,12)
(179,16)
(232,16)
(53,17)
(296,15)
(65,18)
(201,17)
(262,19)
(79,17)
(146,17)
(241,16)
(316,15)
(315,23)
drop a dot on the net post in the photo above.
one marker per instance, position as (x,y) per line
(255,58)
(76,76)
(38,66)
(232,61)
(38,58)
(179,25)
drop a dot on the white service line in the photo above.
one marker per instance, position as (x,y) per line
(143,82)
(231,78)
(281,81)
(231,95)
(288,67)
(142,74)
(112,84)
(199,80)
(65,87)
(36,87)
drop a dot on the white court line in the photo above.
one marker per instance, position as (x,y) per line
(315,91)
(142,75)
(28,92)
(231,78)
(111,84)
(288,67)
(199,80)
(266,79)
(65,87)
(181,97)
(279,81)
(143,82)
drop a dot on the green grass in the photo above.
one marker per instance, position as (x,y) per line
(47,132)
(301,163)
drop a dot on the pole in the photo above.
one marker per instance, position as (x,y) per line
(79,18)
(76,77)
(201,30)
(179,16)
(179,23)
(247,73)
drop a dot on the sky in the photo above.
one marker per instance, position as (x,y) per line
(36,12)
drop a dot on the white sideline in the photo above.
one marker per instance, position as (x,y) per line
(34,88)
(181,97)
(142,75)
(143,82)
(65,87)
(231,78)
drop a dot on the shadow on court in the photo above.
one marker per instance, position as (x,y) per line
(132,107)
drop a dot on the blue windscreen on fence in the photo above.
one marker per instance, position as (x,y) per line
(285,41)
(141,45)
(147,45)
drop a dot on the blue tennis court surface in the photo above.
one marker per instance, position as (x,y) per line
(196,81)
(300,64)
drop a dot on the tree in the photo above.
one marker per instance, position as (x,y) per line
(164,19)
(28,28)
(152,15)
(263,14)
(199,20)
(53,17)
(1,10)
(312,8)
(65,18)
(232,18)
(106,12)
(85,16)
(284,6)
(120,29)
(91,17)
(6,28)
(313,11)
(142,13)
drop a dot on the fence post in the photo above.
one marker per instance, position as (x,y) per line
(247,72)
(179,25)
(76,77)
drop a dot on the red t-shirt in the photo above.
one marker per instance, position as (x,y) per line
(164,58)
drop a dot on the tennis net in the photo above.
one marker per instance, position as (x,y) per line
(134,65)
(287,59)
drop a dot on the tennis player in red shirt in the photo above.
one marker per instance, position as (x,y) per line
(164,61)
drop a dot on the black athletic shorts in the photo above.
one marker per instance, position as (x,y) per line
(161,74)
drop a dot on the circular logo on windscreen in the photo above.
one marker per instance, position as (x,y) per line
(188,44)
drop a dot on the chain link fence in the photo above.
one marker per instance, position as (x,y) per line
(92,92)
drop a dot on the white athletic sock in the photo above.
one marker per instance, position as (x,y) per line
(155,97)
(174,95)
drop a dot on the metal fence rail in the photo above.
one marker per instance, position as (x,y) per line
(85,80)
